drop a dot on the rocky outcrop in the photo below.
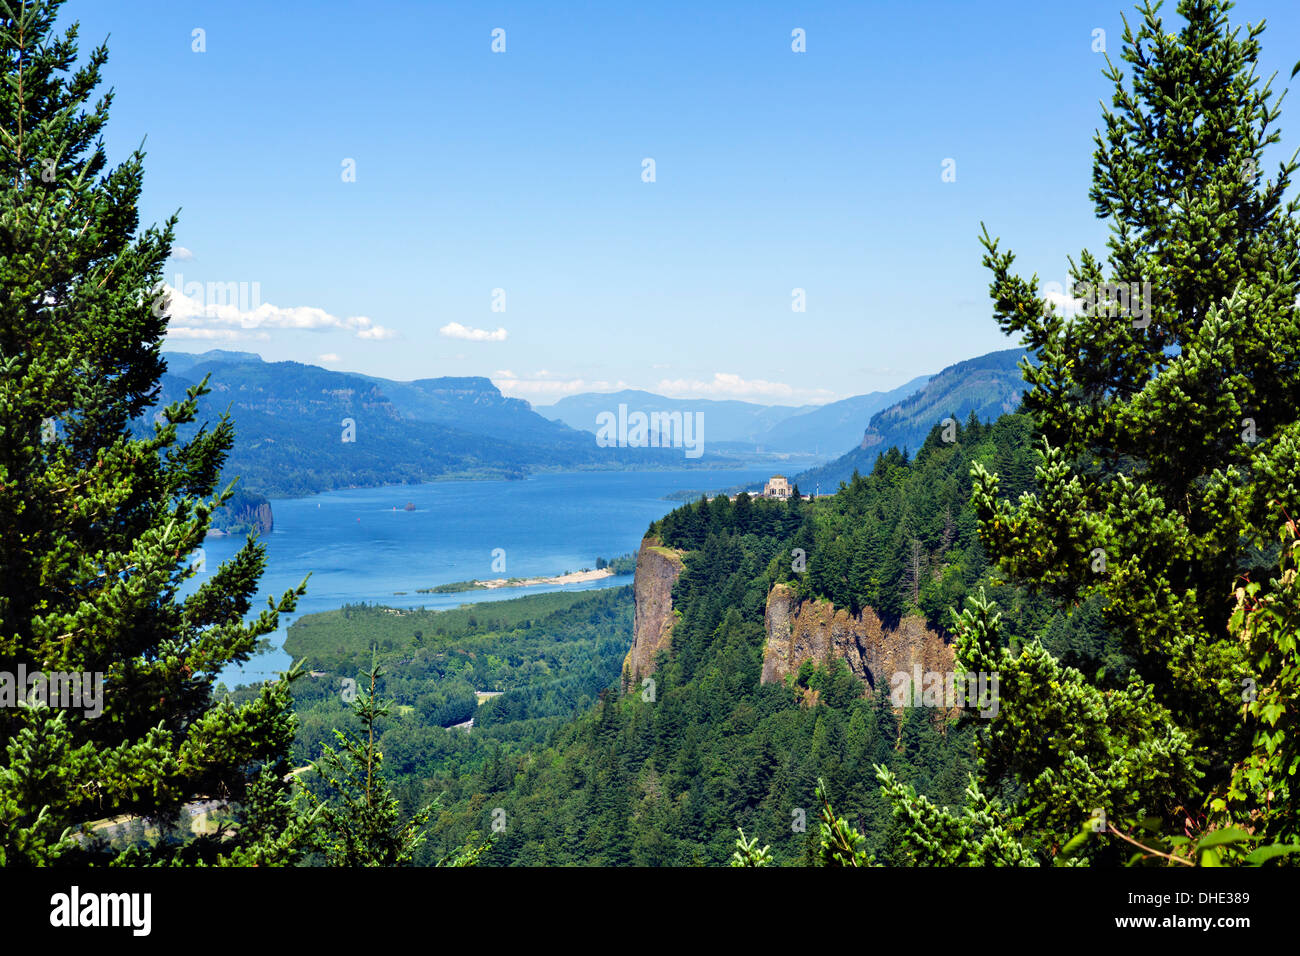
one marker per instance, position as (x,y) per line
(816,630)
(259,517)
(244,512)
(657,570)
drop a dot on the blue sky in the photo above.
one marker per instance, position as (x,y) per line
(521,171)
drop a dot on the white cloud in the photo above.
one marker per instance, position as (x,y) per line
(236,310)
(542,387)
(371,331)
(730,385)
(327,357)
(454,330)
(222,335)
(1054,293)
(181,253)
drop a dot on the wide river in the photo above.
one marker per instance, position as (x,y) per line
(360,545)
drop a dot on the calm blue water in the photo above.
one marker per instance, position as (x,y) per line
(357,548)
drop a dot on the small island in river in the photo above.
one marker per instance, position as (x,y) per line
(624,564)
(572,577)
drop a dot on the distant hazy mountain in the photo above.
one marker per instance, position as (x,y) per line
(724,421)
(475,404)
(782,429)
(290,431)
(834,427)
(989,386)
(182,362)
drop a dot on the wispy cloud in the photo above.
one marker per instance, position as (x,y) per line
(210,312)
(219,335)
(542,385)
(327,357)
(454,330)
(730,385)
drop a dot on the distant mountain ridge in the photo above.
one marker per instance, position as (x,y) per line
(292,423)
(725,420)
(837,425)
(786,429)
(301,429)
(181,362)
(474,404)
(987,386)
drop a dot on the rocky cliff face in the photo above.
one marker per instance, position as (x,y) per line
(261,519)
(244,512)
(816,630)
(657,570)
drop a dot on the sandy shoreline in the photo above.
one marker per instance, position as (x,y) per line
(575,577)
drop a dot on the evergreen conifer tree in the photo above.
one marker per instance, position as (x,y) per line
(98,528)
(360,816)
(1170,438)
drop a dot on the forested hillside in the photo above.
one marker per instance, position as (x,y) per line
(520,669)
(665,773)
